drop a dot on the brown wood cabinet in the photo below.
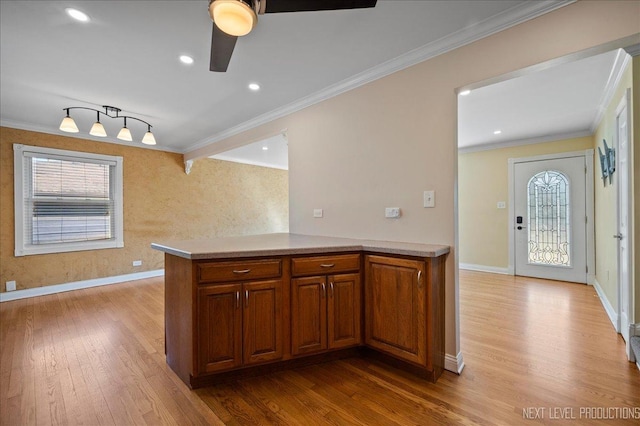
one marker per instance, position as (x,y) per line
(404,310)
(239,324)
(228,316)
(325,309)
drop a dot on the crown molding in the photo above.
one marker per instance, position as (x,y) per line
(615,76)
(509,18)
(528,141)
(42,129)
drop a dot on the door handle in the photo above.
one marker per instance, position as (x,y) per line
(419,279)
(246,298)
(237,299)
(521,227)
(618,236)
(331,288)
(324,290)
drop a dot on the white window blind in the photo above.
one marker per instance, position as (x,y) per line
(69,201)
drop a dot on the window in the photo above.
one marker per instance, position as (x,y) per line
(548,203)
(66,201)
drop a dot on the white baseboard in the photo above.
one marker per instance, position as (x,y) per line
(59,288)
(613,315)
(484,268)
(454,363)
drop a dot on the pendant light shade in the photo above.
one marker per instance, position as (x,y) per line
(125,135)
(98,129)
(68,125)
(234,17)
(148,138)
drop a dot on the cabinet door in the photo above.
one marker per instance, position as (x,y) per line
(219,327)
(262,317)
(343,304)
(308,315)
(395,307)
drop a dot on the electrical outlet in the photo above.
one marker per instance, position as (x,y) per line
(11,285)
(392,212)
(317,212)
(502,205)
(137,263)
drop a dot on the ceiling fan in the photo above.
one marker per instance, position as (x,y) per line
(235,18)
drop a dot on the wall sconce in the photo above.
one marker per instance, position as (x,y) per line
(68,125)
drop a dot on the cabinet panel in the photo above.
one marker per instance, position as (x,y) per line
(262,319)
(395,307)
(308,315)
(239,270)
(219,327)
(344,310)
(320,265)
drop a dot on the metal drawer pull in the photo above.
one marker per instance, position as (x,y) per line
(331,286)
(237,299)
(324,290)
(241,271)
(327,265)
(246,298)
(419,276)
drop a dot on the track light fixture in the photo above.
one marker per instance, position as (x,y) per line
(68,125)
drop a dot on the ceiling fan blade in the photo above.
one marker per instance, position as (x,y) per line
(277,6)
(222,45)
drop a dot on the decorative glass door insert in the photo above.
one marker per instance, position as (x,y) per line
(549,219)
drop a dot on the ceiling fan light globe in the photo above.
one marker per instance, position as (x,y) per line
(234,17)
(68,125)
(98,130)
(125,135)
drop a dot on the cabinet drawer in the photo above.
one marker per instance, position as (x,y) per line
(239,271)
(318,265)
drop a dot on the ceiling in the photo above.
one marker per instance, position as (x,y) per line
(561,101)
(127,56)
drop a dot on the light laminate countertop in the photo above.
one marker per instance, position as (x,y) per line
(290,244)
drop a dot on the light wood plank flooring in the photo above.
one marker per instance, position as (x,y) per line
(96,356)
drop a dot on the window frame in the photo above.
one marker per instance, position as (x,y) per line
(22,248)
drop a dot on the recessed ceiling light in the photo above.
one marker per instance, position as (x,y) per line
(497,132)
(77,15)
(265,148)
(254,86)
(186,59)
(465,92)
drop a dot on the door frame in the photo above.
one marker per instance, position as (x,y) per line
(625,102)
(589,188)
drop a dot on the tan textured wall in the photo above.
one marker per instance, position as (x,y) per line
(384,143)
(483,180)
(606,198)
(160,202)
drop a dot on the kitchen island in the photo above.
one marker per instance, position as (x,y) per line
(243,305)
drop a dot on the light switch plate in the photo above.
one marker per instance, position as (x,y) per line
(430,198)
(502,205)
(11,285)
(317,213)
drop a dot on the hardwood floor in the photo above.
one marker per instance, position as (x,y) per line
(535,347)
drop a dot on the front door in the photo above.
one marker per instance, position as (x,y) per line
(550,219)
